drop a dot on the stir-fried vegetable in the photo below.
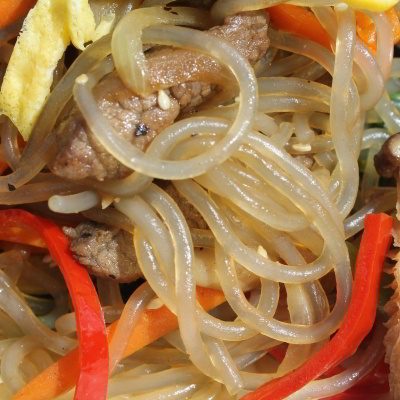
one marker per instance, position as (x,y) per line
(47,31)
(12,10)
(359,318)
(372,5)
(21,232)
(302,22)
(366,28)
(92,355)
(152,325)
(373,386)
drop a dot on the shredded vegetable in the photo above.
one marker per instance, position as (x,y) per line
(152,325)
(47,31)
(92,355)
(359,318)
(12,10)
(302,22)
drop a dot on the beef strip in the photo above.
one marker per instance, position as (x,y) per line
(189,79)
(108,252)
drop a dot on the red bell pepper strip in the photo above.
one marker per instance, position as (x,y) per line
(357,322)
(152,324)
(93,346)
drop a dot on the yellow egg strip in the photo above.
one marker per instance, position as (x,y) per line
(81,22)
(45,35)
(372,5)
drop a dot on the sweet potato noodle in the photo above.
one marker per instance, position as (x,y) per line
(271,165)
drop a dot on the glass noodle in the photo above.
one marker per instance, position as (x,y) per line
(270,170)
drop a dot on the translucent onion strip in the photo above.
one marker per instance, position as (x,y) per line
(130,61)
(131,156)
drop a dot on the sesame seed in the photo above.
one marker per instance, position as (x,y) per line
(303,147)
(163,100)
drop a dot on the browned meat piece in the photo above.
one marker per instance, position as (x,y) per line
(189,79)
(136,120)
(387,160)
(106,251)
(192,94)
(246,32)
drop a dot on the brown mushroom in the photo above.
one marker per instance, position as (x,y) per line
(387,160)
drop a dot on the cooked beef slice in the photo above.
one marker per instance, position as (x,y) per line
(189,79)
(106,251)
(109,252)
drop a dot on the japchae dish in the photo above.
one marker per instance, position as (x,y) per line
(198,199)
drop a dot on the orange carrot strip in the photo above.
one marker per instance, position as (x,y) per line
(12,10)
(300,21)
(152,325)
(366,28)
(393,17)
